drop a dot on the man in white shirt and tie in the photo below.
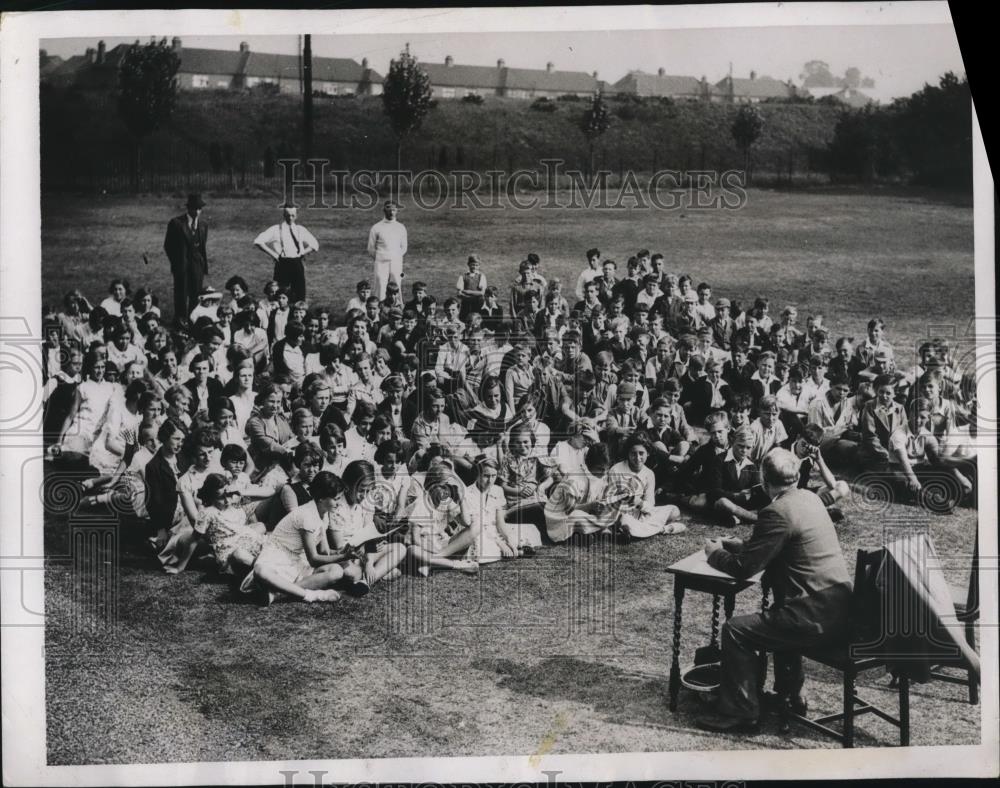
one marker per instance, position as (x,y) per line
(387,245)
(287,243)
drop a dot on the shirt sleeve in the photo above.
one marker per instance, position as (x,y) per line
(402,240)
(372,239)
(269,236)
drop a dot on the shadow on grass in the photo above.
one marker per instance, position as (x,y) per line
(630,697)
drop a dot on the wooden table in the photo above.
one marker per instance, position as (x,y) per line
(694,573)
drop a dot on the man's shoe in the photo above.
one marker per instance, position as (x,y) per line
(836,513)
(797,704)
(720,723)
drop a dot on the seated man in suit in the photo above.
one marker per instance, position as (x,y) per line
(795,543)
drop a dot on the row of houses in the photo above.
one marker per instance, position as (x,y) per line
(219,69)
(242,69)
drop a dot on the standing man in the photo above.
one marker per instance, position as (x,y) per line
(185,245)
(287,243)
(387,245)
(795,542)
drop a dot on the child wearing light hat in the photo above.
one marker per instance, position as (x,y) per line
(208,304)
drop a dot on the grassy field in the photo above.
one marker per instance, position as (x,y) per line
(567,651)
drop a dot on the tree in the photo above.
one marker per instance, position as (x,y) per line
(593,124)
(746,130)
(933,130)
(852,77)
(147,91)
(816,74)
(406,98)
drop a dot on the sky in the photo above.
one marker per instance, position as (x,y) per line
(900,58)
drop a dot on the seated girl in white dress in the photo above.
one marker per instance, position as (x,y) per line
(440,532)
(295,559)
(484,502)
(579,503)
(640,517)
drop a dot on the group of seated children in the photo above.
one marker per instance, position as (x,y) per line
(309,456)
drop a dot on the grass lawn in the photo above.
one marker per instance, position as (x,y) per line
(568,651)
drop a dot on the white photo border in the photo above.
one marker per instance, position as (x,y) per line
(23,666)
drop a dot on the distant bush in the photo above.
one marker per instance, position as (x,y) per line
(472,98)
(568,97)
(265,89)
(628,98)
(543,104)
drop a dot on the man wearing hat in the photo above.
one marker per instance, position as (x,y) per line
(186,247)
(387,244)
(287,244)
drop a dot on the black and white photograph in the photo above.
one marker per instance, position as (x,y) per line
(531,394)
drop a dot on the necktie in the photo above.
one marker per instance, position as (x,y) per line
(298,246)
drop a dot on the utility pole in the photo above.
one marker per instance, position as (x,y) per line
(307,105)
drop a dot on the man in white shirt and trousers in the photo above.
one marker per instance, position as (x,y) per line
(387,245)
(287,243)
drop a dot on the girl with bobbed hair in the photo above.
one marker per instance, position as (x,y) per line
(118,291)
(440,531)
(87,412)
(295,559)
(368,560)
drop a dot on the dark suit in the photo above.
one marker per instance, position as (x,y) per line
(188,255)
(796,544)
(215,390)
(722,478)
(698,395)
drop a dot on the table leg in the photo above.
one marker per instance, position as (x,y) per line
(675,664)
(715,620)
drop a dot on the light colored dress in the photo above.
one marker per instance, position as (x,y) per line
(482,508)
(117,421)
(284,551)
(429,524)
(227,531)
(563,517)
(95,398)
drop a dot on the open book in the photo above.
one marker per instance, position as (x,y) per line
(697,564)
(369,534)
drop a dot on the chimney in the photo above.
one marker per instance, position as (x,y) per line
(91,54)
(101,48)
(595,75)
(549,66)
(175,44)
(661,72)
(244,46)
(753,75)
(364,62)
(449,61)
(501,63)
